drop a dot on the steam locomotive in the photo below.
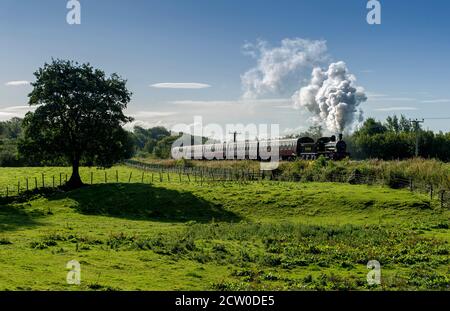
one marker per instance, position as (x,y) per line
(288,149)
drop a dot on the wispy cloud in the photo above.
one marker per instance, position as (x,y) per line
(270,101)
(144,124)
(396,109)
(15,111)
(152,114)
(436,101)
(284,107)
(21,108)
(172,85)
(394,99)
(17,83)
(148,119)
(6,114)
(382,97)
(375,94)
(204,102)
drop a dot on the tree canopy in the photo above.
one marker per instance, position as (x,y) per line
(396,139)
(79,116)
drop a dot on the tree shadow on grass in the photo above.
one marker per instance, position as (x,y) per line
(143,201)
(14,215)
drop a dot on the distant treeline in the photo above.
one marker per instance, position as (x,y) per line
(393,139)
(10,132)
(155,142)
(396,139)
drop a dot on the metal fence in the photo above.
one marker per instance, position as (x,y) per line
(208,174)
(34,183)
(203,174)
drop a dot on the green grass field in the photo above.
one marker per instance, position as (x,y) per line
(172,235)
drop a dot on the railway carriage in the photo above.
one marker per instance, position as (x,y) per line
(288,149)
(214,151)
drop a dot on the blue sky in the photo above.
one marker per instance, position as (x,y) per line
(403,64)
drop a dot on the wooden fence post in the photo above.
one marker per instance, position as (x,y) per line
(106,177)
(442,198)
(431,191)
(18,187)
(35,183)
(117,176)
(60,179)
(142,179)
(43,181)
(92,178)
(53,181)
(7,191)
(129,179)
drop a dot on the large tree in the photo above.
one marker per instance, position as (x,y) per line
(79,116)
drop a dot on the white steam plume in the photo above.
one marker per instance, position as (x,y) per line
(332,97)
(279,69)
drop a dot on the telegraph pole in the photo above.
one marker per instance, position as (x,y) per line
(416,124)
(235,134)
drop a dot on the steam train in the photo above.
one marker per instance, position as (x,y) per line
(288,149)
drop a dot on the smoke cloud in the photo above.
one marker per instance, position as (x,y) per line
(332,97)
(279,69)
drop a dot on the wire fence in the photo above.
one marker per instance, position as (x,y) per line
(157,173)
(34,183)
(209,174)
(205,173)
(55,180)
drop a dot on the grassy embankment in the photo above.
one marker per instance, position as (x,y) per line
(265,235)
(422,171)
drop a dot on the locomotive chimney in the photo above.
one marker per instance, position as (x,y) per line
(340,137)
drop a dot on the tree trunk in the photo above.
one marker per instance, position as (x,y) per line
(75,180)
